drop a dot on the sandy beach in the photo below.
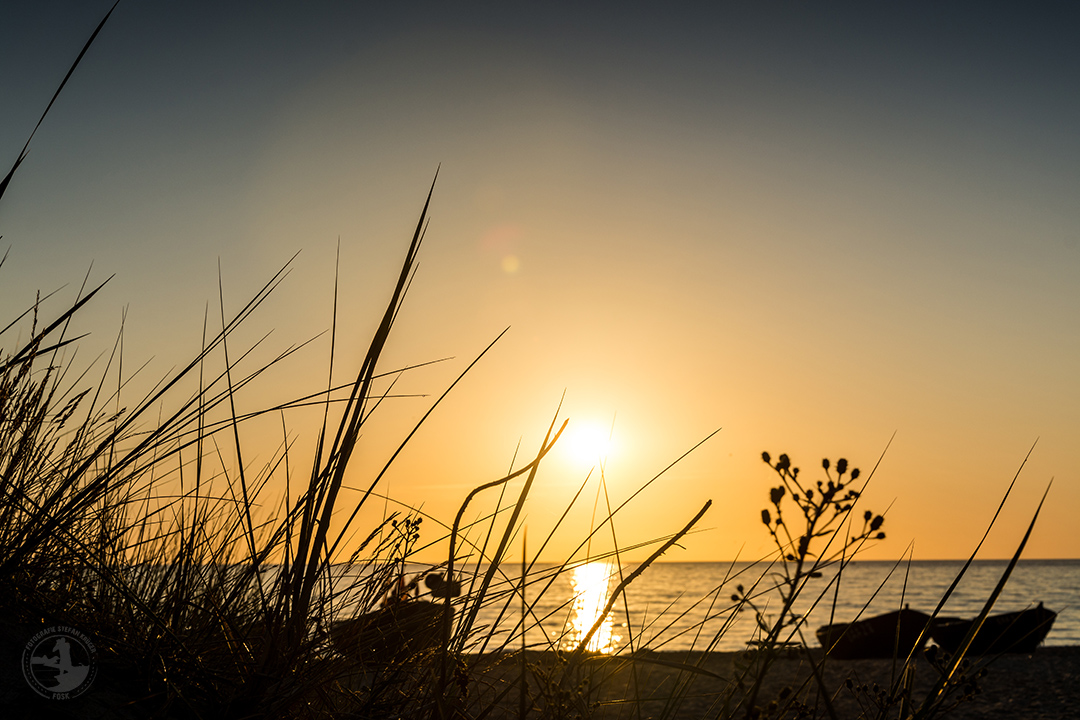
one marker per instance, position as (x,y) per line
(1042,685)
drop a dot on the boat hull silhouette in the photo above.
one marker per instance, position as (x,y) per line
(1014,632)
(895,633)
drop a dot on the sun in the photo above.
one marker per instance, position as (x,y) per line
(588,443)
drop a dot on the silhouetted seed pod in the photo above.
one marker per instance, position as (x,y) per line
(783,463)
(841,466)
(776,494)
(825,463)
(880,536)
(766,458)
(855,473)
(876,522)
(735,598)
(809,494)
(765,517)
(868,516)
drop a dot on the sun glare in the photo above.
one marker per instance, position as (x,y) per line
(588,443)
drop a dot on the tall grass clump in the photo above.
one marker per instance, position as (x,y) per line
(139,524)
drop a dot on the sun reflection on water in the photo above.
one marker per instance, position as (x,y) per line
(591,585)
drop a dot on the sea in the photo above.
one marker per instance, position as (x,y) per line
(675,606)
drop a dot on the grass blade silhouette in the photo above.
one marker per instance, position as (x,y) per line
(22,154)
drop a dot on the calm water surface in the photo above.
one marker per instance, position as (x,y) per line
(680,606)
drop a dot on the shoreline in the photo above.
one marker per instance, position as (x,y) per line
(1043,685)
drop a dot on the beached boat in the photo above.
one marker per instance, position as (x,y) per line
(1014,632)
(883,636)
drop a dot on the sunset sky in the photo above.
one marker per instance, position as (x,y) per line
(811,226)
